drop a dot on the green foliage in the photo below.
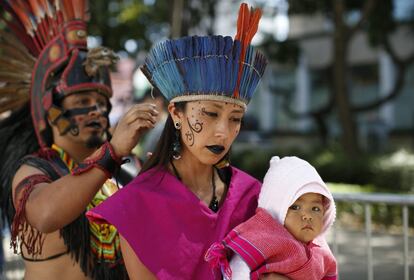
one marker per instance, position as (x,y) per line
(395,172)
(286,52)
(387,173)
(336,166)
(383,216)
(117,21)
(390,173)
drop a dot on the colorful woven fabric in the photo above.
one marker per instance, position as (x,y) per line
(104,239)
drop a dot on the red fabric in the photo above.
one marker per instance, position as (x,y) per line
(266,246)
(21,231)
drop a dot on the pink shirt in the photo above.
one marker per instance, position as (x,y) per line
(169,228)
(266,246)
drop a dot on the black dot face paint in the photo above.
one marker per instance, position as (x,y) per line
(195,127)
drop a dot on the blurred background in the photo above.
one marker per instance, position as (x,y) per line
(338,92)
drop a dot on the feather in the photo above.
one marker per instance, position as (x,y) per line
(79,9)
(13,89)
(6,76)
(11,46)
(15,53)
(37,9)
(247,25)
(13,96)
(67,10)
(23,16)
(13,104)
(13,65)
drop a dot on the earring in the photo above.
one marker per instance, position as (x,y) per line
(176,145)
(224,162)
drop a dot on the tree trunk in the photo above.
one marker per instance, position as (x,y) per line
(176,18)
(340,79)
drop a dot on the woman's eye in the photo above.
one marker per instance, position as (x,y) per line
(210,114)
(294,207)
(237,120)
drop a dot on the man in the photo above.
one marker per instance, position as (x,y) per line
(45,194)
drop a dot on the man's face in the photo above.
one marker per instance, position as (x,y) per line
(88,110)
(304,218)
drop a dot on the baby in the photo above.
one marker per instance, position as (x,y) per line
(286,235)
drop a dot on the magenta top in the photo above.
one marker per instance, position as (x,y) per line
(169,228)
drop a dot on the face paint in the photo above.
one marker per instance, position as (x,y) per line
(196,127)
(210,128)
(88,115)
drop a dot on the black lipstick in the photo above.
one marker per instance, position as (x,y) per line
(216,149)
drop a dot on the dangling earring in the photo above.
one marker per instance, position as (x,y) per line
(176,145)
(224,162)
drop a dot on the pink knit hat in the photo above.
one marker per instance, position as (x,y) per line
(285,181)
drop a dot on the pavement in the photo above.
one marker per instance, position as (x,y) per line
(387,254)
(351,256)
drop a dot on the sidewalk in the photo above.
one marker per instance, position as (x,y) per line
(387,253)
(387,257)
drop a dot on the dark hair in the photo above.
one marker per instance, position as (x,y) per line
(162,153)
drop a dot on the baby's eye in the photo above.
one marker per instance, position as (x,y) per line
(294,207)
(316,209)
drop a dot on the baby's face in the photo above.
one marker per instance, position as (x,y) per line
(304,218)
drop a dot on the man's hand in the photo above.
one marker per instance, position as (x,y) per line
(131,127)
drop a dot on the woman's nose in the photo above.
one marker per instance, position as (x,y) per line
(222,130)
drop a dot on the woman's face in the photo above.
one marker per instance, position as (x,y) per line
(208,128)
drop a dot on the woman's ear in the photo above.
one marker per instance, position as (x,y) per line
(176,114)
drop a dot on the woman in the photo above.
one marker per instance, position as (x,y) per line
(182,201)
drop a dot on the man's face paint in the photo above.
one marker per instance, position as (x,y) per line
(209,129)
(88,114)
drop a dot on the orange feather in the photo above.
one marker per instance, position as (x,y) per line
(247,26)
(67,10)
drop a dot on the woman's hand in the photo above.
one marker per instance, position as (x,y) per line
(273,276)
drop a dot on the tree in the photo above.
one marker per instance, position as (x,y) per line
(145,22)
(376,18)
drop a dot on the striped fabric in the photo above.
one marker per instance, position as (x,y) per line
(104,238)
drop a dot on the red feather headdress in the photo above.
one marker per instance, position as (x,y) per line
(42,58)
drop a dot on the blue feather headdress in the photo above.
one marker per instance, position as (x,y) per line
(210,67)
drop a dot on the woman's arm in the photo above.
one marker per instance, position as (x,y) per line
(136,269)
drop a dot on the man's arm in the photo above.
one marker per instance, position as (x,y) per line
(50,206)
